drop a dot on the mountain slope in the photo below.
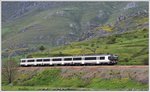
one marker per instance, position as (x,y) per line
(131,47)
(50,25)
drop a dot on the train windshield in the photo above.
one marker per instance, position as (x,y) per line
(113,58)
(23,61)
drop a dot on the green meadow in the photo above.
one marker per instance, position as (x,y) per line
(131,47)
(52,80)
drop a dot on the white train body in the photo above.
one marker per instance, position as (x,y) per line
(70,60)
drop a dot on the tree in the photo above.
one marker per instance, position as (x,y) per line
(9,67)
(9,70)
(42,48)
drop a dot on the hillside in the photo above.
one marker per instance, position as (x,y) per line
(46,29)
(29,25)
(131,46)
(81,78)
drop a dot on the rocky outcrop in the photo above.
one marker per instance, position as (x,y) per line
(130,5)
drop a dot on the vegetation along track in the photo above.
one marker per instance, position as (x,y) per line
(134,72)
(118,67)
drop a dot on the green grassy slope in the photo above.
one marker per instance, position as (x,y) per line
(35,26)
(52,80)
(47,26)
(131,47)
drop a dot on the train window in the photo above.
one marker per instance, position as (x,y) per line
(77,58)
(102,58)
(39,60)
(90,58)
(46,60)
(113,58)
(57,59)
(30,60)
(116,58)
(67,59)
(23,61)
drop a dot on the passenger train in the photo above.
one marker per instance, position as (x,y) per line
(71,60)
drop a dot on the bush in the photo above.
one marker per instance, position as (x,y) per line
(145,36)
(126,60)
(29,56)
(146,61)
(106,47)
(111,40)
(135,36)
(42,48)
(92,45)
(145,29)
(117,35)
(23,88)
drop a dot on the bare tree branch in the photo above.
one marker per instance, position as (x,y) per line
(9,70)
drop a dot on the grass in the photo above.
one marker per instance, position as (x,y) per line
(105,28)
(35,24)
(52,80)
(114,84)
(131,45)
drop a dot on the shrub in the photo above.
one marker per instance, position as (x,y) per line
(106,47)
(111,40)
(126,60)
(23,88)
(145,29)
(29,56)
(135,36)
(42,48)
(146,61)
(92,45)
(117,35)
(145,36)
(60,53)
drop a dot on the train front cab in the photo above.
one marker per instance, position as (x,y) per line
(113,59)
